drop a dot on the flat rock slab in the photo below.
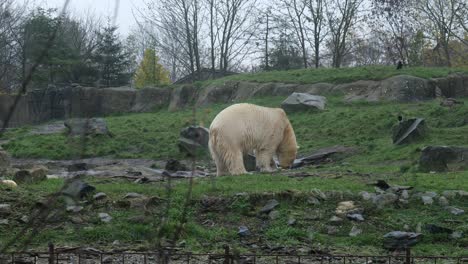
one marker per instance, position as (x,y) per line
(303,102)
(408,131)
(400,239)
(443,158)
(324,155)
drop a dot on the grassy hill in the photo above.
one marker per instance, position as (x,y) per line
(219,206)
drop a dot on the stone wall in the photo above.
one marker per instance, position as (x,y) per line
(42,105)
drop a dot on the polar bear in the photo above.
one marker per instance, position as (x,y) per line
(247,128)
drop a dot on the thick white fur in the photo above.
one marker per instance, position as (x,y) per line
(246,128)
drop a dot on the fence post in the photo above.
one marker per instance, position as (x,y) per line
(51,253)
(408,256)
(227,255)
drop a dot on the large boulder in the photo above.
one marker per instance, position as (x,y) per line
(408,131)
(454,85)
(400,239)
(182,96)
(84,126)
(35,174)
(303,102)
(193,140)
(443,158)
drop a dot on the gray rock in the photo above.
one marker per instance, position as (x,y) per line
(462,193)
(365,195)
(244,231)
(313,201)
(291,221)
(443,201)
(431,194)
(273,215)
(193,140)
(400,239)
(24,219)
(455,211)
(427,200)
(449,194)
(355,217)
(303,102)
(324,155)
(5,209)
(74,208)
(319,194)
(443,158)
(99,196)
(77,189)
(271,204)
(456,235)
(332,230)
(35,174)
(105,217)
(335,219)
(133,195)
(404,194)
(355,231)
(382,200)
(409,131)
(85,126)
(4,221)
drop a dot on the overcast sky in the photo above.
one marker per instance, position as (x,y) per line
(104,8)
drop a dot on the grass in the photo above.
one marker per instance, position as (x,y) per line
(341,75)
(365,126)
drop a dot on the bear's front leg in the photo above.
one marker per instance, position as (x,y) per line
(263,160)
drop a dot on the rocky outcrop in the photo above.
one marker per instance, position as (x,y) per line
(303,102)
(443,158)
(75,101)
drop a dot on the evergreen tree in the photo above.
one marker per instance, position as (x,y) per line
(110,59)
(150,72)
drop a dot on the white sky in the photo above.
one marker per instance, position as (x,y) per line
(104,8)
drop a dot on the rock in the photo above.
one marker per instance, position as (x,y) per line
(8,183)
(291,221)
(355,217)
(382,200)
(462,193)
(250,162)
(193,140)
(324,155)
(335,219)
(313,201)
(404,194)
(99,196)
(400,239)
(77,167)
(3,221)
(5,209)
(431,194)
(455,211)
(435,229)
(85,126)
(274,214)
(427,200)
(173,165)
(443,158)
(355,231)
(319,194)
(24,219)
(449,194)
(105,217)
(456,235)
(365,195)
(303,102)
(344,207)
(271,204)
(443,201)
(133,195)
(409,131)
(74,208)
(77,189)
(35,174)
(332,230)
(243,231)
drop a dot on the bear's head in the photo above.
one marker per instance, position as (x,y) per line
(287,149)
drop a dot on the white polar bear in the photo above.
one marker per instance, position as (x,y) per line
(246,128)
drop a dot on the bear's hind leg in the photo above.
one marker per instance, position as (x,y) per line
(235,163)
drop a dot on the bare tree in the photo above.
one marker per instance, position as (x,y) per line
(442,16)
(296,12)
(341,14)
(317,18)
